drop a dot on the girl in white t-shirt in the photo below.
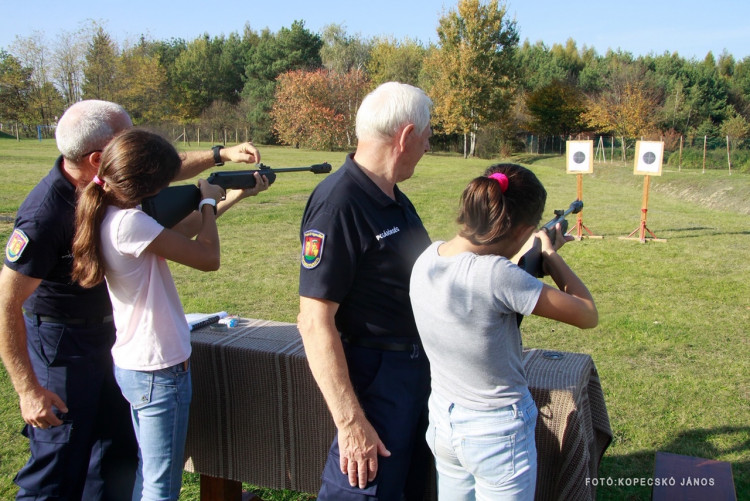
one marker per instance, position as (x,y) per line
(118,241)
(467,296)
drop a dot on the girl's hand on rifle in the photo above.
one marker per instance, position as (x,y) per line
(547,246)
(209,190)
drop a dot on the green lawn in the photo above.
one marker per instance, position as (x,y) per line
(671,347)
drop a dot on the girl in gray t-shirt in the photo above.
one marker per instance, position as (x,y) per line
(466,294)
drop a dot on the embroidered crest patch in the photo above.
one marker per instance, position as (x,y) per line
(16,244)
(312,248)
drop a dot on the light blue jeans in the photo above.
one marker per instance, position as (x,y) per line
(159,406)
(483,455)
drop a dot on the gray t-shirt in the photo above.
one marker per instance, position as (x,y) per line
(465,307)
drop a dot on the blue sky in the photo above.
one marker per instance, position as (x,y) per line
(689,27)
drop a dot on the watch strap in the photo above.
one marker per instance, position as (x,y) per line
(207,201)
(217,155)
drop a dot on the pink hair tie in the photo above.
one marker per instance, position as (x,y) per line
(502,179)
(98,180)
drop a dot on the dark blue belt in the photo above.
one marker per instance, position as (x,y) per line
(69,321)
(378,344)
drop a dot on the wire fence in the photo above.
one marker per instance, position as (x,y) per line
(680,152)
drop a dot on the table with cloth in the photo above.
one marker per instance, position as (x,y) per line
(258,416)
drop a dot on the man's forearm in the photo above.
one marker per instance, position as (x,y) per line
(193,163)
(325,355)
(15,354)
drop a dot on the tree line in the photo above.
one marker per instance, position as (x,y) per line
(302,88)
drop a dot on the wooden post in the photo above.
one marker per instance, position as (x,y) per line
(644,208)
(642,228)
(199,136)
(679,168)
(612,150)
(704,153)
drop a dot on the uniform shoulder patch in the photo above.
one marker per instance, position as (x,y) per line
(16,244)
(312,248)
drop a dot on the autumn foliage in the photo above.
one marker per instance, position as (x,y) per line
(317,109)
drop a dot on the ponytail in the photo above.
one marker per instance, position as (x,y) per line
(492,205)
(88,266)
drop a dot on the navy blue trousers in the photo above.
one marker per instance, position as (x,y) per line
(393,389)
(93,455)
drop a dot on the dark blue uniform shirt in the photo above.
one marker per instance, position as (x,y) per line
(358,248)
(40,247)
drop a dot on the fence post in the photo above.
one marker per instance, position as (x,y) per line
(729,159)
(704,153)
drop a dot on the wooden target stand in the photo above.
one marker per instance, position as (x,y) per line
(579,161)
(648,160)
(580,227)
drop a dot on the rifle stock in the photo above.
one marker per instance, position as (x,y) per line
(172,204)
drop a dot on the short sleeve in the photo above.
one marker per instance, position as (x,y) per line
(514,290)
(329,253)
(134,231)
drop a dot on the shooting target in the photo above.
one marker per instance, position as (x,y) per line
(648,157)
(580,156)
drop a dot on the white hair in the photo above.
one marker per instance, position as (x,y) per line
(391,106)
(88,126)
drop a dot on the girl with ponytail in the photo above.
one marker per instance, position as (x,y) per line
(117,241)
(466,294)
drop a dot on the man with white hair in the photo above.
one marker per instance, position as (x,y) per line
(55,336)
(360,237)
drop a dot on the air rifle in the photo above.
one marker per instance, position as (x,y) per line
(531,261)
(172,204)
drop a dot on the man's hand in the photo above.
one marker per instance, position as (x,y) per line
(36,408)
(359,448)
(245,153)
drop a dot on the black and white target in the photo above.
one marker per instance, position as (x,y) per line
(580,157)
(648,157)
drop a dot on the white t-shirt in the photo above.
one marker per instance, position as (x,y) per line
(152,332)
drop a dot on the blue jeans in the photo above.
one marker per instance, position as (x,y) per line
(483,455)
(159,407)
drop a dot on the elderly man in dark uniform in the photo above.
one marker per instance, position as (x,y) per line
(55,336)
(360,237)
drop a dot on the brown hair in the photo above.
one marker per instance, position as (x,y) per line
(488,215)
(135,164)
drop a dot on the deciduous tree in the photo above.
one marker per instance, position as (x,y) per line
(317,109)
(556,109)
(472,74)
(395,61)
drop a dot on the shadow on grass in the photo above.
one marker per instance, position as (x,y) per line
(700,231)
(715,443)
(532,158)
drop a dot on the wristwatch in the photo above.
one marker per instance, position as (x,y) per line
(217,156)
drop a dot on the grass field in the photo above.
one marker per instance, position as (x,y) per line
(671,347)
